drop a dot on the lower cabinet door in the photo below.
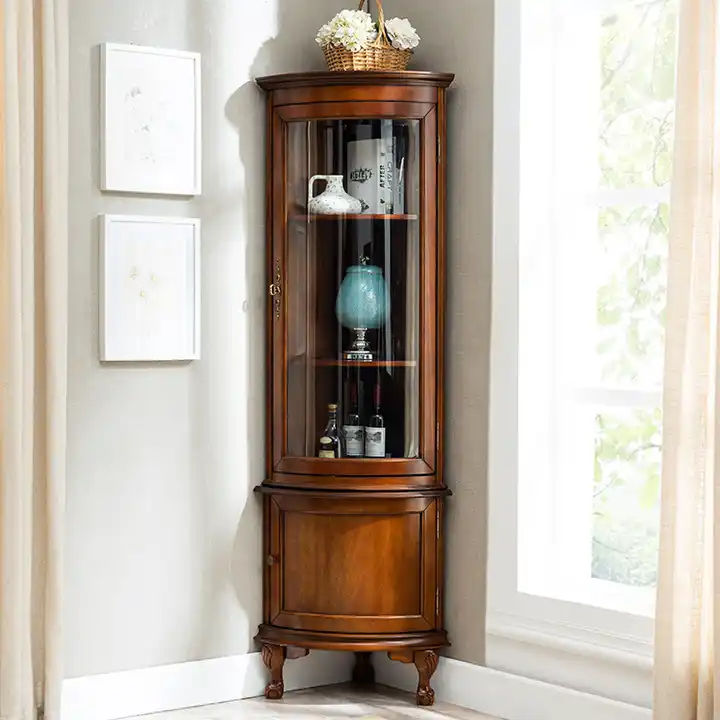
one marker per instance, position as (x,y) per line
(353,564)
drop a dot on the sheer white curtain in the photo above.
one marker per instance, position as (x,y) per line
(33,352)
(685,676)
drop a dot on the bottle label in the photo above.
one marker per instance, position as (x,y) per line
(374,442)
(326,448)
(354,440)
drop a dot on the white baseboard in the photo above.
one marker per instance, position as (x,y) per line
(206,682)
(503,695)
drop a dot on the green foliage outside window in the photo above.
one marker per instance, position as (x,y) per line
(636,125)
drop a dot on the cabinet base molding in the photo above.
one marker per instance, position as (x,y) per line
(286,637)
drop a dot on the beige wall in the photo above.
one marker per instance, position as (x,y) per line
(163,544)
(163,554)
(457,37)
(464,43)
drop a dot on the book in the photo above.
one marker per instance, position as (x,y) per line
(371,174)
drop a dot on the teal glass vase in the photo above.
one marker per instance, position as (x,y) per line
(363,303)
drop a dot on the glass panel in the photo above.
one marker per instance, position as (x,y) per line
(637,92)
(626,495)
(353,253)
(631,281)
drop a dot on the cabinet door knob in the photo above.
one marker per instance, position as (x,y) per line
(272,559)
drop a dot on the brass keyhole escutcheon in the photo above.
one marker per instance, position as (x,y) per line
(276,289)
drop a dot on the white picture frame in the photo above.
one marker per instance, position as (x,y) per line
(149,288)
(151,120)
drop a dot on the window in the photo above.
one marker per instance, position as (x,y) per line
(638,50)
(596,131)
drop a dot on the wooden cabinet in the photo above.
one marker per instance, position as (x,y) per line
(353,525)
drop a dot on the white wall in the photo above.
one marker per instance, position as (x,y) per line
(164,533)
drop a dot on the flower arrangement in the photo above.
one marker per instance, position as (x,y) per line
(353,30)
(352,40)
(402,34)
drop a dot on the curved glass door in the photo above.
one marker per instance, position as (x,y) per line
(353,365)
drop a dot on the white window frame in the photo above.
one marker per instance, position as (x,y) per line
(528,597)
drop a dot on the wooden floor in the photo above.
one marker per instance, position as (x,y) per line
(335,702)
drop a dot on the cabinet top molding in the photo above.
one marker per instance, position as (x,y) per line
(312,79)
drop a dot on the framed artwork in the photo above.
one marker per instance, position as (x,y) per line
(149,288)
(151,120)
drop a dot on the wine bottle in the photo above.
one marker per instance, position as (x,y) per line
(353,431)
(375,430)
(330,442)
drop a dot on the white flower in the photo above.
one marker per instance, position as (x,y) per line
(352,29)
(402,34)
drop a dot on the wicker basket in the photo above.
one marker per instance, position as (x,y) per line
(381,55)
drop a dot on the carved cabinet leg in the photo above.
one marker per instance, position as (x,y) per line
(274,658)
(426,662)
(363,672)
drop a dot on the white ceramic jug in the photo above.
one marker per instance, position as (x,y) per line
(333,200)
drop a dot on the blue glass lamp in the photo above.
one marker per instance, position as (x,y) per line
(363,303)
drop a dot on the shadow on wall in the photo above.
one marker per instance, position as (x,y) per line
(229,404)
(463,44)
(458,37)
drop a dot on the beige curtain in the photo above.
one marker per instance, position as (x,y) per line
(687,600)
(33,352)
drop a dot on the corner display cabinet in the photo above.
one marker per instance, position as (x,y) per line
(354,496)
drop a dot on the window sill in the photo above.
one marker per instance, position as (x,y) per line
(561,650)
(583,641)
(600,594)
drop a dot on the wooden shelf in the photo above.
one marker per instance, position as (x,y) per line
(329,362)
(329,218)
